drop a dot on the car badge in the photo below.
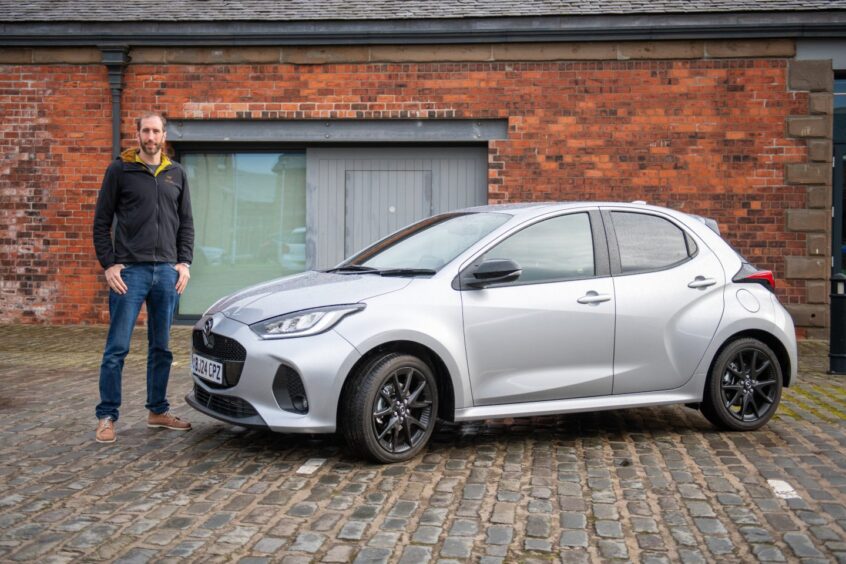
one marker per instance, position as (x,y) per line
(208,338)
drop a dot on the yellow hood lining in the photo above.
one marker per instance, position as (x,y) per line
(131,156)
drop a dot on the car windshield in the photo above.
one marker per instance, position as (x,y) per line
(426,245)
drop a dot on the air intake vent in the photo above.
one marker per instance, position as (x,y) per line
(225,405)
(289,391)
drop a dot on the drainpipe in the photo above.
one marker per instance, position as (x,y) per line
(115,58)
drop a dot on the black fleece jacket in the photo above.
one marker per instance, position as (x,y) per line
(152,213)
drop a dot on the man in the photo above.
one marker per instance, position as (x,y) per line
(146,195)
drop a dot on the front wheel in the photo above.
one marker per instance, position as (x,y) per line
(744,387)
(390,408)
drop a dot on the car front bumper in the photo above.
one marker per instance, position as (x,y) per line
(321,362)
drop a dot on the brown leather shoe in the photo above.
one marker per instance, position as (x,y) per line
(105,431)
(167,420)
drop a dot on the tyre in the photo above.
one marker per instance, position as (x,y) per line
(390,409)
(743,389)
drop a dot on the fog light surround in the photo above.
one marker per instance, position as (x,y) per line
(288,390)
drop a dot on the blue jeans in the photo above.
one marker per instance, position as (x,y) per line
(155,285)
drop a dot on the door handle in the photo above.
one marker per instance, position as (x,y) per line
(594,298)
(701,282)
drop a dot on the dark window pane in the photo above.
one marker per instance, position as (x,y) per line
(648,242)
(560,248)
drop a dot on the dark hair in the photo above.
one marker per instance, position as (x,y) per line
(149,115)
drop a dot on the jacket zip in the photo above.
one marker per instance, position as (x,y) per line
(158,218)
(158,222)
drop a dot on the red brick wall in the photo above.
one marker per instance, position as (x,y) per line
(702,136)
(55,139)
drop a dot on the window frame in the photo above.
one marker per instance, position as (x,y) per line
(602,267)
(614,247)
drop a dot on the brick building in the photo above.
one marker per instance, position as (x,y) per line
(308,129)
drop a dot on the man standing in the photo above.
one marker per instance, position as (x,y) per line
(146,195)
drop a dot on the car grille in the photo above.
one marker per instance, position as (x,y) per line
(225,405)
(224,348)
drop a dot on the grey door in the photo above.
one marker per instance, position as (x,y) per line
(379,202)
(358,195)
(669,302)
(549,335)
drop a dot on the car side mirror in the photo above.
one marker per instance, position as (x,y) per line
(492,271)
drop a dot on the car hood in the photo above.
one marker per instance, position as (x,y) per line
(303,291)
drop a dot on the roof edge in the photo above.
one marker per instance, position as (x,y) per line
(746,25)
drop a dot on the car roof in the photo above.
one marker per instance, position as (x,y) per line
(704,226)
(539,208)
(534,209)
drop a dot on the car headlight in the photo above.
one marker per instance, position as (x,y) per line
(303,323)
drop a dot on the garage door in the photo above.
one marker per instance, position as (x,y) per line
(357,196)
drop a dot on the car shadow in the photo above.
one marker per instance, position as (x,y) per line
(638,424)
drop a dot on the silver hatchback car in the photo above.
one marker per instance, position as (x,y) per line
(501,311)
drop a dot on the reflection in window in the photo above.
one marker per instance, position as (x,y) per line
(430,243)
(249,217)
(648,242)
(560,248)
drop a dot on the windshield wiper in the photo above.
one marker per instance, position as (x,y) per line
(406,272)
(359,269)
(355,268)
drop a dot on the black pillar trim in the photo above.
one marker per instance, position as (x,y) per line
(115,58)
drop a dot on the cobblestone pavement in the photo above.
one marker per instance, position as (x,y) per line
(646,485)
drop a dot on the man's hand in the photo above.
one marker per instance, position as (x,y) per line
(116,283)
(184,276)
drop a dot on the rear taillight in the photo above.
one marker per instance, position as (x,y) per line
(751,275)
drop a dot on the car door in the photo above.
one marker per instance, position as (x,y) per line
(669,300)
(549,334)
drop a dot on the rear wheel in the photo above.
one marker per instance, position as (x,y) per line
(744,388)
(391,408)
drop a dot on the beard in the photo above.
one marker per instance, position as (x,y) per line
(151,148)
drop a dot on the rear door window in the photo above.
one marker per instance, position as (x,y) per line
(648,242)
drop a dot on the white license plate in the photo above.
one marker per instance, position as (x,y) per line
(207,369)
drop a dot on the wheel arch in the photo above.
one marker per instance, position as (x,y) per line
(446,392)
(768,339)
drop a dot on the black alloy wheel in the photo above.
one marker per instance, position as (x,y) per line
(744,387)
(392,408)
(402,410)
(748,386)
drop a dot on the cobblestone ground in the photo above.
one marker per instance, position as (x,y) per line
(646,485)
